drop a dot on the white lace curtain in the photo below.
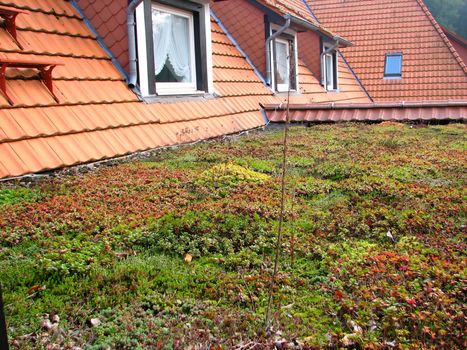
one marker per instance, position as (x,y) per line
(282,63)
(329,72)
(171,44)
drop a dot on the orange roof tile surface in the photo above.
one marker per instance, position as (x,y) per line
(432,69)
(98,117)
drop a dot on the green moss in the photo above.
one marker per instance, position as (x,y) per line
(18,195)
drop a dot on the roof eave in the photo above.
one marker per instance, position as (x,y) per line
(327,106)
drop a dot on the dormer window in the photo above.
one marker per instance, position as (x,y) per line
(393,66)
(329,64)
(174,47)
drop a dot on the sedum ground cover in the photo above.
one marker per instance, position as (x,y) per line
(176,252)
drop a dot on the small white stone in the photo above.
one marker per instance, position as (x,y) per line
(47,325)
(347,342)
(95,322)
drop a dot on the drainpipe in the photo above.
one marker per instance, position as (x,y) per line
(325,52)
(133,62)
(268,47)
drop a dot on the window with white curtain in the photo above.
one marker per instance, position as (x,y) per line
(174,50)
(284,62)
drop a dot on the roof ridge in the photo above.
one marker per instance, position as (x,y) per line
(442,35)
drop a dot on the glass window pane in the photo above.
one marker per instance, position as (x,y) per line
(393,65)
(172,47)
(282,63)
(329,72)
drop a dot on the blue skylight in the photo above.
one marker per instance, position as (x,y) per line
(393,66)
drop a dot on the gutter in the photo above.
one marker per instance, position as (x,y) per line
(288,21)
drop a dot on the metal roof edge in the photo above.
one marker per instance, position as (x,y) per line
(355,76)
(99,39)
(311,11)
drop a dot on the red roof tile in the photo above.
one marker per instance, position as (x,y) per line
(431,68)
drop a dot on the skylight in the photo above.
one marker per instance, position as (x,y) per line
(393,66)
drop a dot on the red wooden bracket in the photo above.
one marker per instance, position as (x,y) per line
(3,83)
(46,76)
(9,15)
(45,70)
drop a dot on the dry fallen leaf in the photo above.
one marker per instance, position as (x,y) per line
(188,258)
(36,288)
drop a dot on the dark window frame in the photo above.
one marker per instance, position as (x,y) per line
(199,22)
(393,75)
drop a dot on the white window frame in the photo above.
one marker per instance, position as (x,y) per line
(293,34)
(142,48)
(164,88)
(334,70)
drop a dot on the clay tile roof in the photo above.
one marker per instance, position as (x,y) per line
(432,69)
(97,116)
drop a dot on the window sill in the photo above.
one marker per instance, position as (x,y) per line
(285,93)
(195,96)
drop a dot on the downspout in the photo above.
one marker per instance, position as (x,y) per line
(133,61)
(325,52)
(268,47)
